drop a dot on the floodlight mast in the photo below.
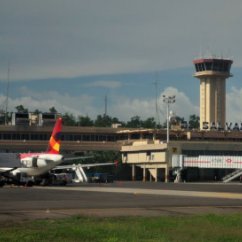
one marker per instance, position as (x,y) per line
(168,100)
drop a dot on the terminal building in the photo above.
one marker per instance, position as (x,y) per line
(212,152)
(145,150)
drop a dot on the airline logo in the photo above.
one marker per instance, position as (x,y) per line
(54,143)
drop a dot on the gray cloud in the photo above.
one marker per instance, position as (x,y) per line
(122,108)
(65,39)
(57,38)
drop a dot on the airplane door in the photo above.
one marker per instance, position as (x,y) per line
(34,161)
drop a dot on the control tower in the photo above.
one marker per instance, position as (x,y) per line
(212,74)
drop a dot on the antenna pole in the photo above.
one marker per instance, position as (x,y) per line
(156,104)
(106,100)
(105,113)
(7,90)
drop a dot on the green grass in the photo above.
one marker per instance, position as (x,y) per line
(208,227)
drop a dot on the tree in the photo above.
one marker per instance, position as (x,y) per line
(194,121)
(115,120)
(21,109)
(179,119)
(69,119)
(53,110)
(99,122)
(103,121)
(149,123)
(36,112)
(84,121)
(105,157)
(134,123)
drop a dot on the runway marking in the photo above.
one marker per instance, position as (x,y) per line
(149,192)
(122,208)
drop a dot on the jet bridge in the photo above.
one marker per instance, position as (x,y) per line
(181,162)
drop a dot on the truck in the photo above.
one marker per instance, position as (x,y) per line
(21,179)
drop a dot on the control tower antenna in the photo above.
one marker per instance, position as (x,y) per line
(200,53)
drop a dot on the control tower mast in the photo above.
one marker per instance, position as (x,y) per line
(212,74)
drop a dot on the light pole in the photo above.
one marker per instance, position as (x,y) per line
(168,100)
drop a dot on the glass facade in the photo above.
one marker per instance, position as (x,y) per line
(218,65)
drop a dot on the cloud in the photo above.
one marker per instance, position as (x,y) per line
(71,39)
(183,106)
(43,101)
(125,108)
(233,105)
(91,38)
(122,107)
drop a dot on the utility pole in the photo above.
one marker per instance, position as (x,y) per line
(7,90)
(105,100)
(168,100)
(105,112)
(156,105)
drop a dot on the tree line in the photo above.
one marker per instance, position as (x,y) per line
(107,121)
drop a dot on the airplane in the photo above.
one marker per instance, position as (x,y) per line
(37,165)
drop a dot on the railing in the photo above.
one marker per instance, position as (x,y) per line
(232,175)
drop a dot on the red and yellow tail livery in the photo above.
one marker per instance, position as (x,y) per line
(54,143)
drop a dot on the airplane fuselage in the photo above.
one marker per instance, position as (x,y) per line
(38,164)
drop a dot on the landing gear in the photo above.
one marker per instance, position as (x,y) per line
(2,181)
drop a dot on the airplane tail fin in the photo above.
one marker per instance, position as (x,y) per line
(54,142)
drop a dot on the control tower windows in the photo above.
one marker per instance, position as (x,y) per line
(208,66)
(213,65)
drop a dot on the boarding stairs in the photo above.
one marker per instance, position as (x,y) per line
(80,175)
(231,176)
(177,172)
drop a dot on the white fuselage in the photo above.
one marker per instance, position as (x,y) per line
(36,165)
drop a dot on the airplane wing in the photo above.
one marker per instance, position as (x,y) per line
(78,168)
(7,169)
(4,171)
(77,158)
(74,166)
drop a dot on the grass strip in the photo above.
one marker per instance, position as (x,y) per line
(206,227)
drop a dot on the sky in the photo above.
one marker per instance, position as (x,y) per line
(72,54)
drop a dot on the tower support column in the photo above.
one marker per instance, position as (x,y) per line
(212,74)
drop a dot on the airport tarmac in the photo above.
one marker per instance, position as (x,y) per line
(120,198)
